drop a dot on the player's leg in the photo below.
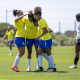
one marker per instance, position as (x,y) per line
(36,48)
(29,45)
(21,52)
(47,46)
(36,43)
(39,52)
(77,49)
(51,61)
(46,57)
(10,46)
(20,42)
(29,48)
(43,53)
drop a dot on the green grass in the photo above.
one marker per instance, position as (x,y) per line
(63,58)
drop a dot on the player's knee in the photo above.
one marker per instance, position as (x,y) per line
(9,45)
(77,55)
(20,54)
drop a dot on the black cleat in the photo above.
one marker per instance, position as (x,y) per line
(54,69)
(39,69)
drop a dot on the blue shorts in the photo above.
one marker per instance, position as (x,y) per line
(30,42)
(45,44)
(20,42)
(10,42)
(44,50)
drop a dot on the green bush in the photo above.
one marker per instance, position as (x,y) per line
(71,42)
(55,43)
(64,40)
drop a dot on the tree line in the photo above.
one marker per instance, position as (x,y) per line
(66,39)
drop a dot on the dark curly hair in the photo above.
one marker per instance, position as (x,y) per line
(34,20)
(31,15)
(78,17)
(15,12)
(37,10)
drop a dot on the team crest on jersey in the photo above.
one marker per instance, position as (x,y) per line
(31,28)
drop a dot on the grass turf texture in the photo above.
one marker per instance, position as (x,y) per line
(63,58)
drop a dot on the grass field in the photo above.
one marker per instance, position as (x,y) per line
(63,58)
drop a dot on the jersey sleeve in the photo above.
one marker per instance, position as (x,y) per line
(24,20)
(7,33)
(12,32)
(43,24)
(15,23)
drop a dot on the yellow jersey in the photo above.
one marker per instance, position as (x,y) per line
(32,31)
(43,24)
(20,27)
(10,35)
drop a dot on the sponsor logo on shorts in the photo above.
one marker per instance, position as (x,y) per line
(45,44)
(23,43)
(27,43)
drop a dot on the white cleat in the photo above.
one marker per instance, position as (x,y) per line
(28,70)
(37,67)
(73,66)
(11,54)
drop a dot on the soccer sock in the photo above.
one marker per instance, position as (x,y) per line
(29,63)
(43,54)
(51,61)
(17,61)
(11,51)
(46,57)
(40,60)
(76,61)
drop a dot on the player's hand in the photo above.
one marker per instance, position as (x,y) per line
(50,30)
(2,39)
(12,40)
(36,38)
(30,11)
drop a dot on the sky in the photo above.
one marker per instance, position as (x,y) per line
(53,11)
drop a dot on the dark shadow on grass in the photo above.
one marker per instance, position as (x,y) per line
(26,71)
(61,71)
(47,72)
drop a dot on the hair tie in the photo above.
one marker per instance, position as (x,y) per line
(17,12)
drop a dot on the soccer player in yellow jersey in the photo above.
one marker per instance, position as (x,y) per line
(31,33)
(10,34)
(45,42)
(19,37)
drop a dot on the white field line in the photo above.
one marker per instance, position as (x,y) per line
(3,79)
(39,74)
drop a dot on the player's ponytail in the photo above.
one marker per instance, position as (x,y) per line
(34,20)
(15,12)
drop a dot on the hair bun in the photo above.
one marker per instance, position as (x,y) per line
(15,12)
